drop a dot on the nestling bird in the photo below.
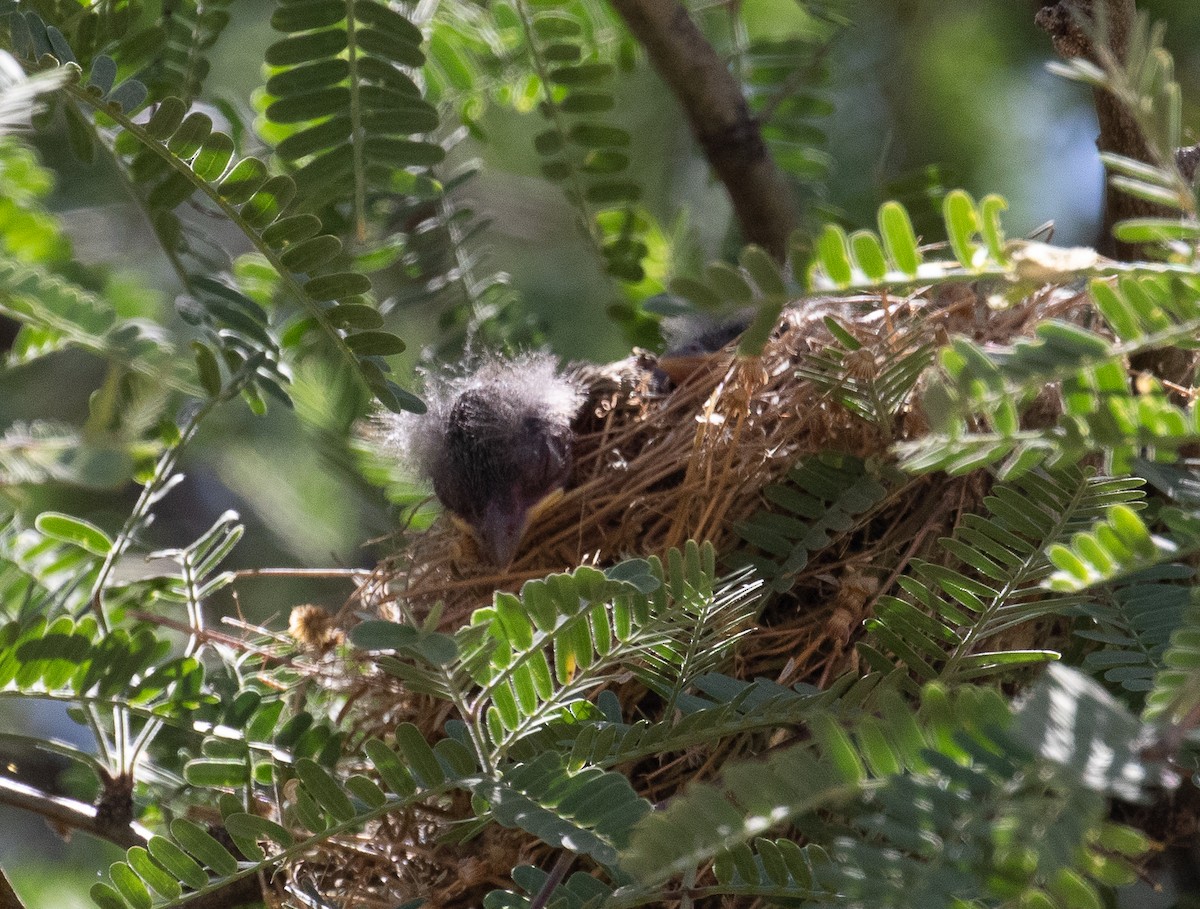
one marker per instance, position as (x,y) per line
(496,443)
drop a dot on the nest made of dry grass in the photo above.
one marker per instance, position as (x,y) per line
(655,468)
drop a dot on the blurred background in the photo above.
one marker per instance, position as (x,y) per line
(924,94)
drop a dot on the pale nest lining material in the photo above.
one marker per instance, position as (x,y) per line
(654,469)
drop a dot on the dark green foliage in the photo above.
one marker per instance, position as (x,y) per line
(569,53)
(174,155)
(588,156)
(874,383)
(545,649)
(823,498)
(449,269)
(1132,624)
(1103,411)
(600,807)
(561,707)
(891,794)
(577,892)
(1173,696)
(584,808)
(941,628)
(175,48)
(346,113)
(785,79)
(726,708)
(87,29)
(194,860)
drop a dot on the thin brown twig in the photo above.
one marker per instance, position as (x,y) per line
(207,635)
(553,879)
(351,574)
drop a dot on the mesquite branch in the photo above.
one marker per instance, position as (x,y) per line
(719,117)
(1075,26)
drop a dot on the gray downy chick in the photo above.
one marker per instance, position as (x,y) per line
(495,443)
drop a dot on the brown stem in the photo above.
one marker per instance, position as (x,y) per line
(553,879)
(1076,28)
(719,117)
(1072,25)
(68,814)
(8,896)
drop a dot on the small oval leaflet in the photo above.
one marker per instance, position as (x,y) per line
(378,634)
(130,95)
(68,529)
(636,572)
(375,343)
(337,286)
(195,840)
(104,73)
(129,885)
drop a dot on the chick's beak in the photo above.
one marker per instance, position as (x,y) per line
(500,530)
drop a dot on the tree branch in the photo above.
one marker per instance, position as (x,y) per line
(68,814)
(8,896)
(719,117)
(1074,26)
(1077,27)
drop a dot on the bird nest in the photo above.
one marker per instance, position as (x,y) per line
(657,463)
(655,466)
